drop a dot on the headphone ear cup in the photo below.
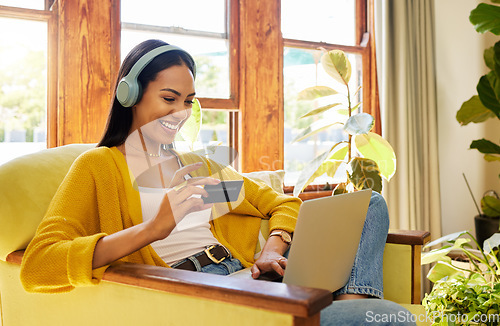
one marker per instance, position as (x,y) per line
(127,92)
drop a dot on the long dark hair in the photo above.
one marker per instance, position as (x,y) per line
(120,118)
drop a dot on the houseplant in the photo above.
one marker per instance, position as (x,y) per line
(366,155)
(463,293)
(483,106)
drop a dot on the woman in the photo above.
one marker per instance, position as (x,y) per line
(135,199)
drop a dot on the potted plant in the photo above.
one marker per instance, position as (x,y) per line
(464,293)
(483,106)
(367,156)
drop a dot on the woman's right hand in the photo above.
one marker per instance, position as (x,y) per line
(181,200)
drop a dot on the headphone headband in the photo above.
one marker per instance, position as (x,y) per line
(129,89)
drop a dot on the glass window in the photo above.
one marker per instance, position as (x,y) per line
(177,23)
(319,21)
(29,4)
(302,69)
(23,87)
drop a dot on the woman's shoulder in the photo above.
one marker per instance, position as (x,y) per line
(98,157)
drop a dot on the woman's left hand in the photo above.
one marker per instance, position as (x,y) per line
(269,261)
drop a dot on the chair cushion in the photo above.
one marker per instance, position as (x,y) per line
(27,185)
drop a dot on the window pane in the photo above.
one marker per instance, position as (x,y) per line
(23,87)
(176,23)
(214,132)
(302,69)
(30,4)
(319,20)
(200,15)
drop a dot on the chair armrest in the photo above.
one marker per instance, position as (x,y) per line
(409,237)
(301,302)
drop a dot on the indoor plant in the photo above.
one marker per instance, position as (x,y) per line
(463,293)
(483,106)
(367,156)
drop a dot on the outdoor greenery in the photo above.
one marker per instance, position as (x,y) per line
(486,104)
(464,293)
(367,156)
(23,94)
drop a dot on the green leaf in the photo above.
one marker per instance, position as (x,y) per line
(365,174)
(432,256)
(336,159)
(473,111)
(487,94)
(360,123)
(491,158)
(490,206)
(191,129)
(491,243)
(313,129)
(315,92)
(446,238)
(485,146)
(340,189)
(486,18)
(320,110)
(307,174)
(440,270)
(337,65)
(488,56)
(374,147)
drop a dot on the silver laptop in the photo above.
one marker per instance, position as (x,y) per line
(325,241)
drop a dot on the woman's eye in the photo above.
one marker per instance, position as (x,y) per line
(168,99)
(189,102)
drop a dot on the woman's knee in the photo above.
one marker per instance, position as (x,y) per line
(378,210)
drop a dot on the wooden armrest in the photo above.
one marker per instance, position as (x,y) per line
(408,237)
(289,299)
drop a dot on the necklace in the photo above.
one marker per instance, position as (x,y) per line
(163,148)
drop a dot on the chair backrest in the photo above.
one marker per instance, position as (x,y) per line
(27,185)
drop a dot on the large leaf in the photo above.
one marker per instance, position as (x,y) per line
(441,254)
(441,270)
(192,126)
(491,158)
(364,174)
(473,111)
(319,110)
(491,243)
(485,146)
(315,168)
(447,238)
(337,65)
(374,147)
(336,159)
(315,92)
(360,123)
(488,56)
(486,18)
(490,206)
(306,176)
(486,92)
(314,129)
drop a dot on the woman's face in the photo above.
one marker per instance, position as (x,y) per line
(165,105)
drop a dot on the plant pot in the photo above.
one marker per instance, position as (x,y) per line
(485,227)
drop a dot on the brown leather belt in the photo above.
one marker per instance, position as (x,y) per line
(213,254)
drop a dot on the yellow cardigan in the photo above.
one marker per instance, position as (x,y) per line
(97,198)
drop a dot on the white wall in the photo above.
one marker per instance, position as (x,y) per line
(460,64)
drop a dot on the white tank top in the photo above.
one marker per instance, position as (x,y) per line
(191,235)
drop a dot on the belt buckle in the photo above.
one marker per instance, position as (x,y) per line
(211,257)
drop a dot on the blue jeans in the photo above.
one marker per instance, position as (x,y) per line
(365,278)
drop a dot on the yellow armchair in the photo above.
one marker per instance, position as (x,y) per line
(132,294)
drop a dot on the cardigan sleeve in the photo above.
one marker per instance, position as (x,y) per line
(60,255)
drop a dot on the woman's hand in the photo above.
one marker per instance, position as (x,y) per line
(179,201)
(271,258)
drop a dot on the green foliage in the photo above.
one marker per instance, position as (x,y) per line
(367,156)
(463,294)
(486,104)
(23,94)
(189,132)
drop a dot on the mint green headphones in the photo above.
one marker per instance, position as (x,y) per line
(129,89)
